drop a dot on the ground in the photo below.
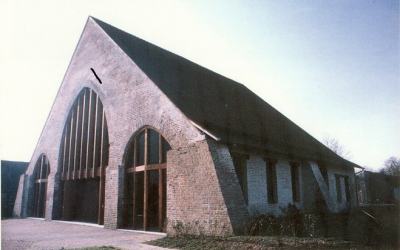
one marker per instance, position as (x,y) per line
(19,234)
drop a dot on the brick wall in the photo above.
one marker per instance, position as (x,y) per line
(229,184)
(202,188)
(257,186)
(309,188)
(313,199)
(19,200)
(340,170)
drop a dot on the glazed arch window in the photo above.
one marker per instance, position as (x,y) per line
(148,148)
(41,173)
(84,145)
(145,181)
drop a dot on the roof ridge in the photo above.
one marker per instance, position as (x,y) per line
(105,26)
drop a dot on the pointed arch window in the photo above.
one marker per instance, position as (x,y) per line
(83,159)
(145,181)
(84,145)
(41,172)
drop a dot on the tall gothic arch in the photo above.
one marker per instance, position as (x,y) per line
(40,174)
(145,181)
(83,159)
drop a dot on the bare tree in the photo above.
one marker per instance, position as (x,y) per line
(369,169)
(334,145)
(391,167)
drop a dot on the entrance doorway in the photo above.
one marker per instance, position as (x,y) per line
(83,161)
(145,181)
(41,172)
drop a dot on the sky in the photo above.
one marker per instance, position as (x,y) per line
(332,67)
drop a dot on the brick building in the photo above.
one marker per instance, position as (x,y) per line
(138,136)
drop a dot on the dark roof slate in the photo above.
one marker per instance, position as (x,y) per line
(223,107)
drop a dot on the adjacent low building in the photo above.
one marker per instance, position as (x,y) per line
(10,174)
(141,138)
(377,188)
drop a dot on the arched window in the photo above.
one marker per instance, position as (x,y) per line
(83,159)
(40,173)
(84,145)
(145,181)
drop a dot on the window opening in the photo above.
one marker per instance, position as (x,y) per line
(83,157)
(294,170)
(41,172)
(342,188)
(272,185)
(145,181)
(347,188)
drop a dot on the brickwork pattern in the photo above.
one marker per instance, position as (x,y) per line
(341,170)
(284,181)
(309,187)
(229,184)
(19,199)
(193,191)
(203,187)
(257,186)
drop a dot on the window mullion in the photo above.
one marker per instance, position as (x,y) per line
(160,149)
(135,150)
(146,147)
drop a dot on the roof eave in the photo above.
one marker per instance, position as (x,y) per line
(205,131)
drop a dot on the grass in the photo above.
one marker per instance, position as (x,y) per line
(252,242)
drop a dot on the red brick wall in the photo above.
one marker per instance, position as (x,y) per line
(203,192)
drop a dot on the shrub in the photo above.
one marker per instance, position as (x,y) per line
(258,225)
(199,228)
(276,228)
(310,222)
(292,216)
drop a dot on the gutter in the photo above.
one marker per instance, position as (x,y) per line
(205,131)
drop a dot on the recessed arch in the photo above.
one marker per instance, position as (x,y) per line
(127,156)
(83,158)
(145,161)
(40,174)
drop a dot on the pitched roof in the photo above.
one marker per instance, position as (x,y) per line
(220,106)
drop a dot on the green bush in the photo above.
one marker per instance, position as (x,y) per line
(292,219)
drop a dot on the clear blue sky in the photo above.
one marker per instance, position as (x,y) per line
(332,67)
